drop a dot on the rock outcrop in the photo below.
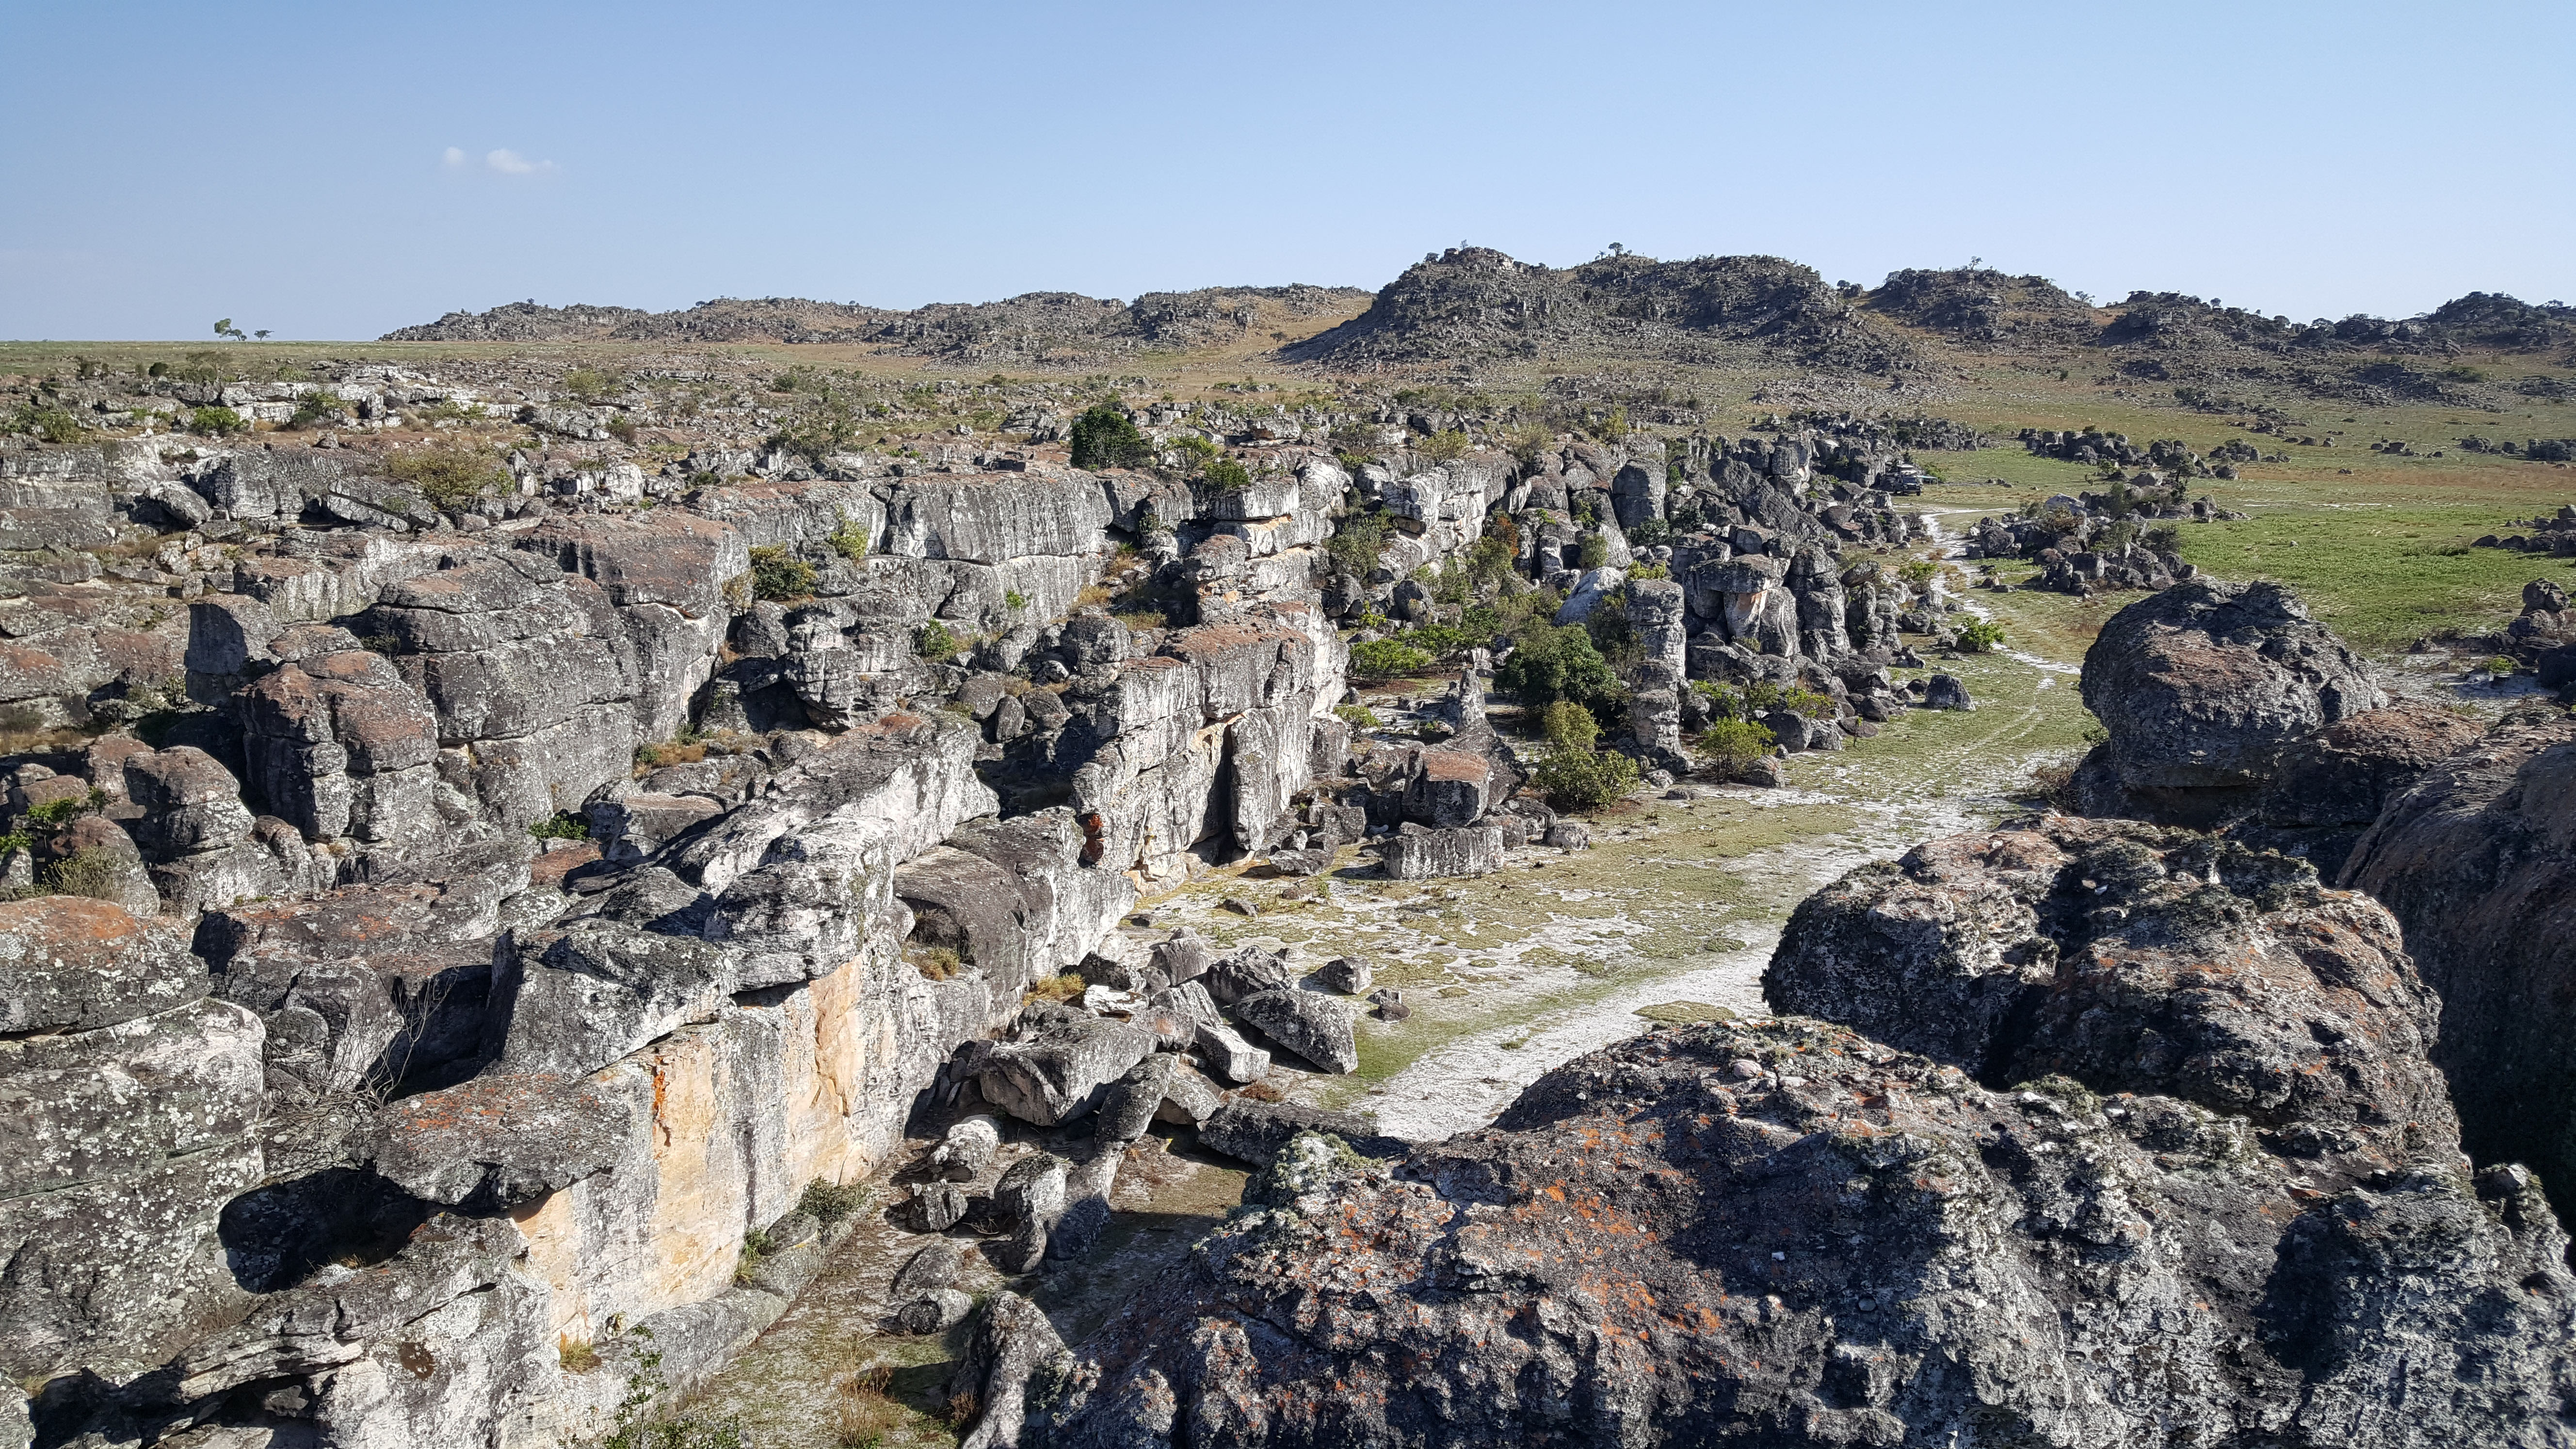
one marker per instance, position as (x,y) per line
(2203,688)
(2478,860)
(2227,1205)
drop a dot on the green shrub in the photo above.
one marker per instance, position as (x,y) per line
(1981,637)
(1723,702)
(779,574)
(1387,659)
(1228,476)
(829,425)
(1648,572)
(1443,447)
(1734,744)
(1356,541)
(1357,716)
(1650,532)
(216,422)
(848,539)
(1437,640)
(830,1202)
(1584,779)
(1762,697)
(1014,599)
(55,814)
(53,424)
(591,385)
(91,873)
(936,643)
(1592,552)
(1551,663)
(319,406)
(1569,726)
(448,477)
(562,825)
(1103,437)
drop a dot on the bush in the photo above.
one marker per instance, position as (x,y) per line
(779,574)
(1734,744)
(1228,476)
(90,873)
(1387,659)
(217,422)
(53,424)
(590,385)
(1443,447)
(1648,573)
(1569,726)
(1552,663)
(830,1202)
(1592,552)
(831,425)
(319,406)
(848,539)
(1981,636)
(562,825)
(1584,779)
(1437,640)
(937,643)
(1014,599)
(1357,716)
(448,477)
(55,814)
(1355,543)
(1103,437)
(1650,532)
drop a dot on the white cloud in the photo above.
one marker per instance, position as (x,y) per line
(453,157)
(511,163)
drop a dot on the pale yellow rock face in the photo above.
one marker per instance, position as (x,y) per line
(740,1114)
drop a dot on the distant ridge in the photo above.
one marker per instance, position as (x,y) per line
(1034,327)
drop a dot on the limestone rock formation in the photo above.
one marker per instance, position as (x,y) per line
(2232,1164)
(2203,687)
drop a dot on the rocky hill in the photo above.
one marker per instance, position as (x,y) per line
(1039,327)
(1474,304)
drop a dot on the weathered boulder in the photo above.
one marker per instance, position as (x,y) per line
(1246,971)
(1012,1341)
(1428,854)
(1030,1197)
(2140,959)
(1254,1131)
(1317,1027)
(131,1107)
(965,1152)
(2203,687)
(69,964)
(2335,782)
(2478,861)
(1787,1234)
(1062,1067)
(501,1140)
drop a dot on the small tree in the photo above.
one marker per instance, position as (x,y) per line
(1734,744)
(1387,659)
(779,574)
(1981,637)
(1104,437)
(1569,726)
(1584,779)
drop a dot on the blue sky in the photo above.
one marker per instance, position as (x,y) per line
(335,171)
